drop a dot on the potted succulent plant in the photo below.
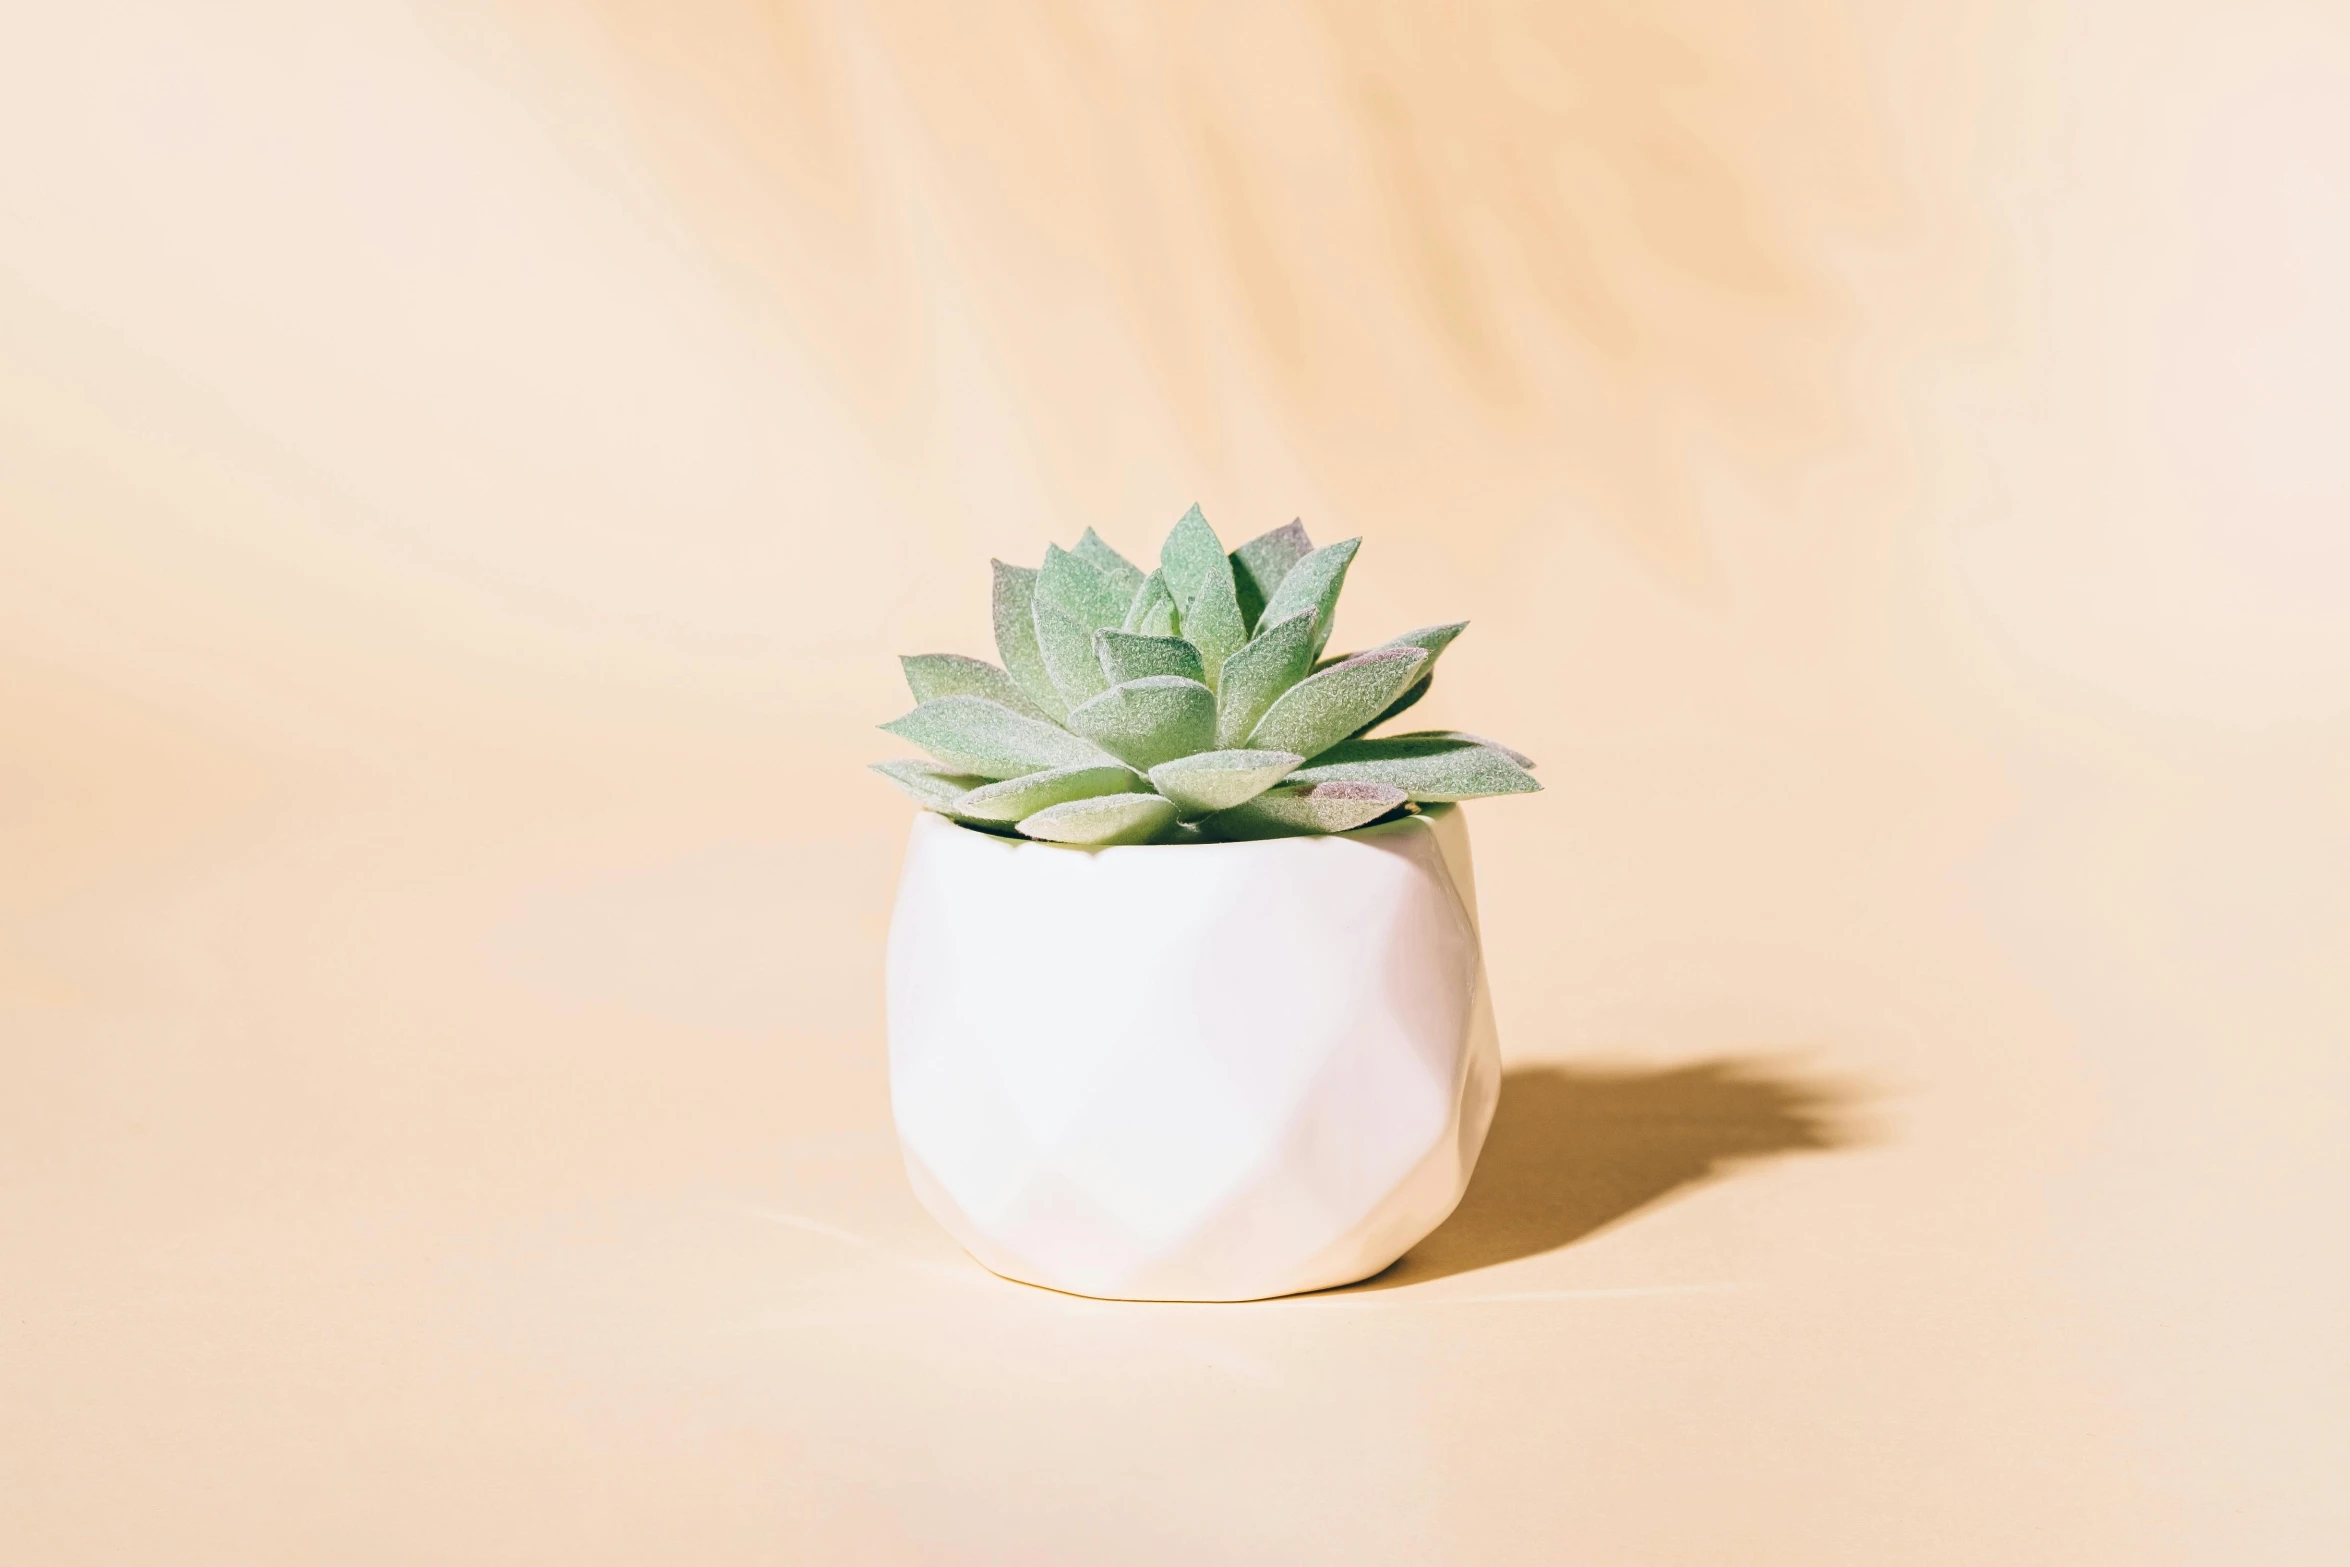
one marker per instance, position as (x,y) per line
(1186,999)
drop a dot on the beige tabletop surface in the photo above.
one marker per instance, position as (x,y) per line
(464,472)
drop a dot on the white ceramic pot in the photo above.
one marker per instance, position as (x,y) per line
(1198,1072)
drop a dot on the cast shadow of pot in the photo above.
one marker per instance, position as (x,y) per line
(1573,1150)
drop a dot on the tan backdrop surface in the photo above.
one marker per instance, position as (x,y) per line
(464,472)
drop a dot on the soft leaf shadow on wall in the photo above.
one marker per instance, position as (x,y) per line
(1601,242)
(1574,1150)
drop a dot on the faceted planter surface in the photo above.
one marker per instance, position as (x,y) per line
(1197,1072)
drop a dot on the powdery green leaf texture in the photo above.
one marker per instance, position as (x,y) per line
(1148,721)
(930,784)
(1463,737)
(1015,639)
(1462,734)
(1015,798)
(1103,820)
(1123,576)
(1314,583)
(1428,767)
(1124,657)
(970,734)
(1321,710)
(1152,614)
(1211,781)
(1274,660)
(933,675)
(1072,603)
(1295,808)
(1259,565)
(1411,695)
(1431,640)
(1207,606)
(1077,586)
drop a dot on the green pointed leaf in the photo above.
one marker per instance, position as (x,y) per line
(1428,767)
(1079,587)
(1123,576)
(1211,781)
(1254,677)
(1124,657)
(1411,696)
(1431,640)
(1072,603)
(1321,710)
(1188,554)
(1103,820)
(1015,639)
(931,785)
(1466,738)
(1015,798)
(1314,583)
(1207,607)
(1148,721)
(933,675)
(973,735)
(1259,565)
(1067,645)
(1295,809)
(1152,614)
(1213,625)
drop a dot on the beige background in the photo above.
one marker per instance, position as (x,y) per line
(464,471)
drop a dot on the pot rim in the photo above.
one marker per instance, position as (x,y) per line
(1428,812)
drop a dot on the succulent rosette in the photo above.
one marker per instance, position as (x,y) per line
(1191,703)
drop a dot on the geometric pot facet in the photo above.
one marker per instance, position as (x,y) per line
(1219,1071)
